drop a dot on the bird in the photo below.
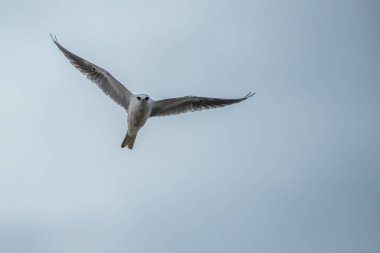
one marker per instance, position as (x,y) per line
(140,107)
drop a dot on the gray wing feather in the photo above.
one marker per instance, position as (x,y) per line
(179,105)
(102,78)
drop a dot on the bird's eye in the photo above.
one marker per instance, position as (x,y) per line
(138,98)
(147,98)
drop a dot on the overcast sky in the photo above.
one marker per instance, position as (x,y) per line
(296,168)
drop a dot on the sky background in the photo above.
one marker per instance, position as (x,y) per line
(296,168)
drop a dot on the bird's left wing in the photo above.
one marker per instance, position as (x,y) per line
(99,76)
(179,105)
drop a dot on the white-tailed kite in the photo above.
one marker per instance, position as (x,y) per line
(140,106)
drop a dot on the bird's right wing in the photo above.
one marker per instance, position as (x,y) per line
(99,76)
(179,105)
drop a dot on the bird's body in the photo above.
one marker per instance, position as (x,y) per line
(141,107)
(138,113)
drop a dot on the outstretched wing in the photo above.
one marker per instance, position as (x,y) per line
(99,76)
(173,106)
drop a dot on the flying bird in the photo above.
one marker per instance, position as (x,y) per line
(140,107)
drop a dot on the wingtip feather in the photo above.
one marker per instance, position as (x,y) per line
(53,38)
(250,94)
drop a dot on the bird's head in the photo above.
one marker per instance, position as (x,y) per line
(142,98)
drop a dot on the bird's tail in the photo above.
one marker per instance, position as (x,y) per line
(129,141)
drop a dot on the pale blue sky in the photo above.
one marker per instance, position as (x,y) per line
(295,169)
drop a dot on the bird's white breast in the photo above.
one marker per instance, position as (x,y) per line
(138,113)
